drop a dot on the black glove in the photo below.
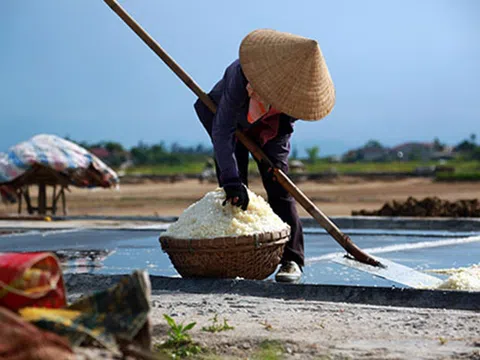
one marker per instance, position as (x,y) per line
(237,195)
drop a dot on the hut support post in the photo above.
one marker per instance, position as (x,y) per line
(26,194)
(54,200)
(42,199)
(19,198)
(64,201)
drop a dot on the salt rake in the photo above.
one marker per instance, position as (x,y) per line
(343,239)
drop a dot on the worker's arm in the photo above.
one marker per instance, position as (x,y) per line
(224,125)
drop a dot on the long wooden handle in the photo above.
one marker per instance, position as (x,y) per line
(281,177)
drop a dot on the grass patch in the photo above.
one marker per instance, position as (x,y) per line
(472,176)
(270,350)
(460,166)
(165,169)
(196,167)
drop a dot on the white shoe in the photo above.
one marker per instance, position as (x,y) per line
(289,272)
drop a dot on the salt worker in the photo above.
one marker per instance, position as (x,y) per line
(278,78)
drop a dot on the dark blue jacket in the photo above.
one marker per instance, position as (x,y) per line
(231,96)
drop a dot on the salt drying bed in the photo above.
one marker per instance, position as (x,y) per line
(121,251)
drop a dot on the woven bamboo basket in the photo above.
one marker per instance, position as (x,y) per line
(249,257)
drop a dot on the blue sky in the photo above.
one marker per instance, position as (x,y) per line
(403,70)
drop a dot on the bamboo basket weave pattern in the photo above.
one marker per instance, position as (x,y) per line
(250,257)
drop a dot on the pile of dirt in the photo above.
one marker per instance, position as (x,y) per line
(430,206)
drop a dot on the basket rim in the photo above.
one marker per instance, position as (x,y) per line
(232,242)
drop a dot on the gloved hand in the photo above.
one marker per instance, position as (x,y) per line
(237,195)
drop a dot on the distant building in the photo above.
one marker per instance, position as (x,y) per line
(367,154)
(296,166)
(447,153)
(112,158)
(375,152)
(413,151)
(100,152)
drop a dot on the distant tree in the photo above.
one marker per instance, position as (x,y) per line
(465,146)
(200,149)
(312,154)
(437,145)
(473,138)
(294,155)
(374,144)
(476,153)
(140,154)
(175,148)
(113,147)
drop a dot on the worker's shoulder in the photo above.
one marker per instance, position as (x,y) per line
(235,65)
(234,70)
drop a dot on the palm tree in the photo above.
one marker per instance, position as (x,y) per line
(473,137)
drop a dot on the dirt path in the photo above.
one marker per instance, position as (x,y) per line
(339,197)
(319,330)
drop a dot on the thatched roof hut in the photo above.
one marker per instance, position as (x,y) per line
(48,160)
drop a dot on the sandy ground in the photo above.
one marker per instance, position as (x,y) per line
(338,197)
(310,329)
(318,330)
(306,329)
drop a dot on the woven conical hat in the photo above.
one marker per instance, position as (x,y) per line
(288,72)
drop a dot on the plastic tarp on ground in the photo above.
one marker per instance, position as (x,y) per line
(53,152)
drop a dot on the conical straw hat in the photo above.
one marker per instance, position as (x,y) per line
(288,72)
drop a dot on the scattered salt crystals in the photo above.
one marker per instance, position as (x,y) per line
(208,218)
(462,278)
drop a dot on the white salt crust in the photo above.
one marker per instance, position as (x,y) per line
(462,278)
(208,218)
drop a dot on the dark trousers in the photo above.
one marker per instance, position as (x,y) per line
(281,202)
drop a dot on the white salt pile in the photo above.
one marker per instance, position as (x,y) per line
(208,218)
(461,278)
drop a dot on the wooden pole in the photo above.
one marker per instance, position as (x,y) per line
(54,200)
(64,201)
(28,200)
(19,198)
(42,199)
(282,178)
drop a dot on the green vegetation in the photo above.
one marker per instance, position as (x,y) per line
(217,326)
(193,167)
(321,165)
(393,166)
(442,340)
(160,159)
(270,350)
(466,176)
(312,154)
(179,343)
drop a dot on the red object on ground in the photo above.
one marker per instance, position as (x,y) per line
(31,279)
(20,340)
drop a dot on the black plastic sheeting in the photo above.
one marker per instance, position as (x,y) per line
(381,296)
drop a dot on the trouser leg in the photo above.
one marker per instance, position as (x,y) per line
(281,201)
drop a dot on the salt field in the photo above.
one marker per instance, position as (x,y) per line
(121,251)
